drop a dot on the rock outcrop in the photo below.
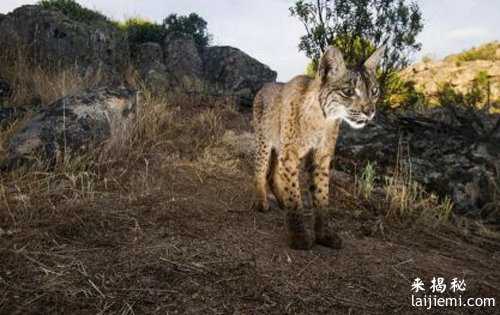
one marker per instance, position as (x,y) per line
(184,65)
(55,41)
(444,154)
(217,71)
(72,125)
(230,69)
(148,58)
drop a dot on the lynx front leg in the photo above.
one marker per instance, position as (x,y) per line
(299,221)
(325,228)
(320,170)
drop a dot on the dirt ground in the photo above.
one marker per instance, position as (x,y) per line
(189,243)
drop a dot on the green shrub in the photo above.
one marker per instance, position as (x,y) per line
(476,96)
(448,95)
(140,31)
(403,93)
(73,10)
(190,25)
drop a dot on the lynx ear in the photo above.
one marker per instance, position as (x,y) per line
(331,65)
(372,62)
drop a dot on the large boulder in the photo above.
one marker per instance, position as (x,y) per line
(50,39)
(443,154)
(184,64)
(72,125)
(232,72)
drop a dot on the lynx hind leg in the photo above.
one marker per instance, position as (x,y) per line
(262,169)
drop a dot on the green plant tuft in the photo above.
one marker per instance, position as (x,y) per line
(140,30)
(366,183)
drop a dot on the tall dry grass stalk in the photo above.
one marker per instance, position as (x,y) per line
(153,121)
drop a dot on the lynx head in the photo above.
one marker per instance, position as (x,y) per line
(348,94)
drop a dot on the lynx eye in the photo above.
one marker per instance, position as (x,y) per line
(347,92)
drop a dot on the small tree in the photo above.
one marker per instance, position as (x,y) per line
(191,25)
(357,27)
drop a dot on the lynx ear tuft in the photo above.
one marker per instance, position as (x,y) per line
(372,62)
(331,64)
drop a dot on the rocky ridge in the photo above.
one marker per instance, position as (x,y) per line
(430,75)
(52,40)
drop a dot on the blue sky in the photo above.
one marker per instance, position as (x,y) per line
(264,29)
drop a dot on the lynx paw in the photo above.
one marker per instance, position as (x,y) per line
(326,231)
(300,226)
(261,206)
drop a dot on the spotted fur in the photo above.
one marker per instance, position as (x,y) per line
(303,117)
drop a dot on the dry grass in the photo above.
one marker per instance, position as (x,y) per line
(166,131)
(40,185)
(5,135)
(407,200)
(32,84)
(399,197)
